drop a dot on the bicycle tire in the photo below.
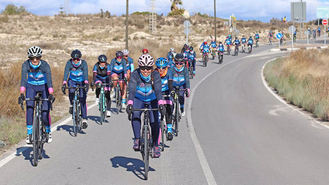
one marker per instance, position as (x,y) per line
(101,108)
(42,140)
(117,97)
(206,61)
(176,117)
(162,134)
(35,137)
(75,120)
(146,151)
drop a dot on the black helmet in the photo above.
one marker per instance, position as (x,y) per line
(119,54)
(102,58)
(76,53)
(179,57)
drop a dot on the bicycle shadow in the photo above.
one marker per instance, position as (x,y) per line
(136,166)
(27,153)
(69,129)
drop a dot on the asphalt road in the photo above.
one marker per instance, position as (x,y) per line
(246,134)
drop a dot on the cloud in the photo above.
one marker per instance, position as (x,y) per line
(243,9)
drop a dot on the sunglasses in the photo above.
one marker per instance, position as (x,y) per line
(179,63)
(162,67)
(33,58)
(125,55)
(119,57)
(146,68)
(76,59)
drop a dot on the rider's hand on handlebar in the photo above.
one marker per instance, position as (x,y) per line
(21,99)
(63,88)
(129,111)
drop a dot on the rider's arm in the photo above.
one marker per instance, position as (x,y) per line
(94,72)
(186,76)
(157,85)
(67,71)
(85,71)
(24,76)
(132,67)
(108,70)
(132,87)
(49,79)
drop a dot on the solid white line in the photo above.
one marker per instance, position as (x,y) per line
(54,127)
(201,156)
(294,108)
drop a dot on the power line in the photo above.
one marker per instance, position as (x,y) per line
(152,18)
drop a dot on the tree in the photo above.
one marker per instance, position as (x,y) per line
(11,9)
(174,4)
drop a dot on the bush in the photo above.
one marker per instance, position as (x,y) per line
(11,9)
(178,12)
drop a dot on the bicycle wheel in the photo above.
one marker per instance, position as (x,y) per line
(163,131)
(176,117)
(35,137)
(206,61)
(101,108)
(146,150)
(75,119)
(117,97)
(42,140)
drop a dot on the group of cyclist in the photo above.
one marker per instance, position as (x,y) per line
(219,48)
(147,87)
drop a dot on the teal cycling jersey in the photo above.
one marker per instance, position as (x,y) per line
(76,72)
(36,75)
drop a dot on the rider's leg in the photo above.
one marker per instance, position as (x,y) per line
(181,99)
(193,63)
(136,118)
(155,122)
(30,93)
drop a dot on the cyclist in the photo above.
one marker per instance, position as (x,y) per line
(319,31)
(220,47)
(118,68)
(166,81)
(213,46)
(192,58)
(237,44)
(228,43)
(270,37)
(243,43)
(129,61)
(101,74)
(184,48)
(145,89)
(145,51)
(250,42)
(205,49)
(181,80)
(171,56)
(257,39)
(36,77)
(76,73)
(186,56)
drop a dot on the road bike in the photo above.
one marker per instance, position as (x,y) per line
(220,57)
(39,135)
(102,104)
(146,141)
(205,58)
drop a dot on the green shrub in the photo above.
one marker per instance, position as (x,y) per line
(11,9)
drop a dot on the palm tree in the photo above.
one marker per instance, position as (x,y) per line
(174,4)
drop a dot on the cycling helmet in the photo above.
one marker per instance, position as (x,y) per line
(76,53)
(145,51)
(125,52)
(161,62)
(145,60)
(34,51)
(179,57)
(191,48)
(119,54)
(172,49)
(102,58)
(205,42)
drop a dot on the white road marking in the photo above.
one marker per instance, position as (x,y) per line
(201,156)
(284,102)
(54,127)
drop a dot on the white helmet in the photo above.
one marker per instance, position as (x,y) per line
(125,52)
(145,60)
(34,51)
(172,49)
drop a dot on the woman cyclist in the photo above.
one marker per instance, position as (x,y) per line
(145,89)
(181,80)
(118,68)
(162,66)
(76,73)
(36,77)
(101,74)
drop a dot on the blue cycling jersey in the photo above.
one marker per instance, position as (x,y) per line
(221,47)
(213,44)
(250,41)
(192,55)
(118,67)
(180,77)
(228,42)
(237,42)
(38,75)
(243,40)
(76,72)
(206,48)
(130,64)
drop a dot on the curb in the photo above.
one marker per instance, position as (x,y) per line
(295,49)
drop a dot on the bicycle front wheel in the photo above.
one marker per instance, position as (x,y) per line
(35,137)
(146,150)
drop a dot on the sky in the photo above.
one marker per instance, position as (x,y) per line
(262,10)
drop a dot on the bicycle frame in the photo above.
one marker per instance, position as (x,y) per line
(102,105)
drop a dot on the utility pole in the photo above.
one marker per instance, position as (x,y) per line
(215,20)
(152,18)
(127,14)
